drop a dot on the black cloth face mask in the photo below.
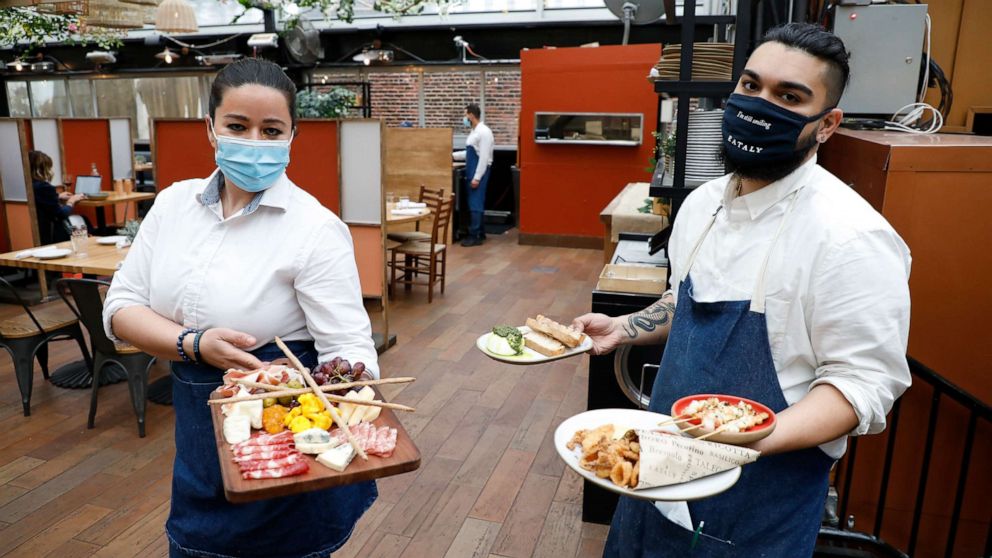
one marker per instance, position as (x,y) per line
(758,132)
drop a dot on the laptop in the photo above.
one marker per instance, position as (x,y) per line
(88,184)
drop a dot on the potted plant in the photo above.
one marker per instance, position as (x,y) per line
(128,231)
(333,102)
(668,150)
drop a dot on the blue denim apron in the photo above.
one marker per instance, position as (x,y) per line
(203,523)
(476,196)
(775,508)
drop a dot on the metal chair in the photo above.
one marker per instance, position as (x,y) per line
(433,200)
(26,337)
(87,302)
(424,257)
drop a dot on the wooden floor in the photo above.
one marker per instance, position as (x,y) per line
(490,483)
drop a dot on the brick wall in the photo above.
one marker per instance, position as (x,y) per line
(502,109)
(396,96)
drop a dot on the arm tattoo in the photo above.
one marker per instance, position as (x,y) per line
(657,315)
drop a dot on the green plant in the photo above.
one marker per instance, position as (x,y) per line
(664,147)
(332,103)
(343,10)
(130,229)
(28,25)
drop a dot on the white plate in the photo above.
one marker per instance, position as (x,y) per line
(52,253)
(632,418)
(531,356)
(108,239)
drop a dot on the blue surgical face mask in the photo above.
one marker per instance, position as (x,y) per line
(757,131)
(466,122)
(252,165)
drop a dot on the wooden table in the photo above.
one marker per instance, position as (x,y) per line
(622,215)
(113,199)
(403,219)
(99,260)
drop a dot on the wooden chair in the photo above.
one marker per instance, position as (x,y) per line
(26,337)
(433,199)
(429,258)
(87,302)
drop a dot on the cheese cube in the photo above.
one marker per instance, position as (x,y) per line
(237,428)
(337,458)
(251,409)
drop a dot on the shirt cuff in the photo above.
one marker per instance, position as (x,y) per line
(867,404)
(108,320)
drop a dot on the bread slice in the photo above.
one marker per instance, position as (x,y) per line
(543,344)
(566,334)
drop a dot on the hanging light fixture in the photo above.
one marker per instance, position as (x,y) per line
(175,16)
(167,56)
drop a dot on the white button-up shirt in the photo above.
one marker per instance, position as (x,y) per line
(837,293)
(284,266)
(481,139)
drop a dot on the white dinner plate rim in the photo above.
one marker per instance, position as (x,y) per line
(693,490)
(51,253)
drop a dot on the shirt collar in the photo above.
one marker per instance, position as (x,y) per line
(276,196)
(759,201)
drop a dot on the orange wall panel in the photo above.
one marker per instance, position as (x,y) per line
(564,187)
(313,161)
(19,223)
(86,141)
(369,258)
(180,151)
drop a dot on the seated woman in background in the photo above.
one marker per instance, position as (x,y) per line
(53,208)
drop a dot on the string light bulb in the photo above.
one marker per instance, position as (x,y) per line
(166,56)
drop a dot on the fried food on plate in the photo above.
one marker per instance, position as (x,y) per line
(609,456)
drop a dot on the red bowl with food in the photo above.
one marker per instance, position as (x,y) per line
(736,420)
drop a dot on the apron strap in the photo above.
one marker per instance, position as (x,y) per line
(699,243)
(758,298)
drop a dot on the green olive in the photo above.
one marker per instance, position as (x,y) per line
(295,384)
(268,402)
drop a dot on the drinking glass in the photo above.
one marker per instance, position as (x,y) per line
(79,239)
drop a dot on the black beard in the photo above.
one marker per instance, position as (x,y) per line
(773,171)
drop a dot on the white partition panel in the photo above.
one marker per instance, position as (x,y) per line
(45,136)
(11,162)
(121,154)
(361,172)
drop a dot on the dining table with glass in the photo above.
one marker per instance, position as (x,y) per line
(89,255)
(111,199)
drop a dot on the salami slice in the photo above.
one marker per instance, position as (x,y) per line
(275,464)
(266,439)
(255,450)
(298,468)
(277,453)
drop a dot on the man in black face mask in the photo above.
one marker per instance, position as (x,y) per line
(789,290)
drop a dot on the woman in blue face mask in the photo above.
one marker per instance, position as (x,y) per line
(220,267)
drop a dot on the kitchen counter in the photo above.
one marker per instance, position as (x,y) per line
(621,215)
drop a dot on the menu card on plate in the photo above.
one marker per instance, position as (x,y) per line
(671,459)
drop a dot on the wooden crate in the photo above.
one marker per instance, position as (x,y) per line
(632,279)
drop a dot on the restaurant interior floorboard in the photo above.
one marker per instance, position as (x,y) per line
(489,484)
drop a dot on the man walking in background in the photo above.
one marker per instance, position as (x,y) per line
(478,157)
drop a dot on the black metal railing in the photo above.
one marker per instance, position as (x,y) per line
(942,390)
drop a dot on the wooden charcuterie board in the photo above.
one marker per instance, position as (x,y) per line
(405,458)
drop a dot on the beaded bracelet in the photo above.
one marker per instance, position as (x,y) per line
(196,345)
(179,344)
